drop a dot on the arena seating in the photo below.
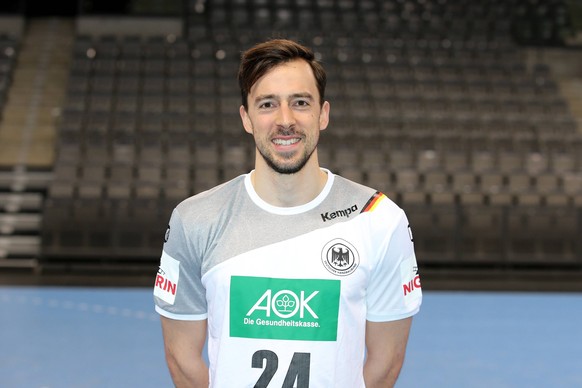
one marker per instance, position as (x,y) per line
(19,212)
(432,103)
(9,49)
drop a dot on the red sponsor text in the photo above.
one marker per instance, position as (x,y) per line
(411,285)
(165,284)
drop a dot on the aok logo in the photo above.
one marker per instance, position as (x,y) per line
(284,304)
(302,309)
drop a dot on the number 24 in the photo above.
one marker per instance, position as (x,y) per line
(298,370)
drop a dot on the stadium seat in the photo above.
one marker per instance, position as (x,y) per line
(434,230)
(450,121)
(482,234)
(543,235)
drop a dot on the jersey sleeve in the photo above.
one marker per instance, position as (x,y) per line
(178,290)
(394,291)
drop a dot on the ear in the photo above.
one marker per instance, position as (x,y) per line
(246,121)
(324,116)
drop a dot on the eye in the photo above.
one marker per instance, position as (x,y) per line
(302,103)
(266,105)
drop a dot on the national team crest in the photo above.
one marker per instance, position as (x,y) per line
(340,257)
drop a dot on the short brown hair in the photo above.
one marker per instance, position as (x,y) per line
(258,60)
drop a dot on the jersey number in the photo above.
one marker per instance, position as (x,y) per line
(269,362)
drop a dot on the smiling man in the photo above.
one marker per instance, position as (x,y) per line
(285,117)
(296,276)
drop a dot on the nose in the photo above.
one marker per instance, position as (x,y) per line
(285,118)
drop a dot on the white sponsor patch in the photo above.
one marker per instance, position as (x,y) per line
(167,279)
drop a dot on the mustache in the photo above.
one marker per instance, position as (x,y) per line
(289,131)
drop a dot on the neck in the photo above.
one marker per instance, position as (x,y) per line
(288,190)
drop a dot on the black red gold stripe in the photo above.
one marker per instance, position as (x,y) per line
(373,202)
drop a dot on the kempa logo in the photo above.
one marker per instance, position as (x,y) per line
(328,216)
(284,308)
(340,257)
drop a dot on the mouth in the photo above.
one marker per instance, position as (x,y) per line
(286,141)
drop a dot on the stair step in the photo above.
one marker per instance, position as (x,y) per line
(27,132)
(22,181)
(19,246)
(20,202)
(21,262)
(11,224)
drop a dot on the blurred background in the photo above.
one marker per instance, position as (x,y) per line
(466,113)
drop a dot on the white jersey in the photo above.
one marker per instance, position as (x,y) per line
(287,291)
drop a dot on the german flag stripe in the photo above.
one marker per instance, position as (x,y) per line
(373,202)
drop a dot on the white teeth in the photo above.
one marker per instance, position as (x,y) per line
(285,142)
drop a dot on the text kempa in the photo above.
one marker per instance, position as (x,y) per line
(327,216)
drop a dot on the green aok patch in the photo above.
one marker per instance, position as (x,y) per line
(286,309)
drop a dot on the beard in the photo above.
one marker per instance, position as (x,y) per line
(286,164)
(283,167)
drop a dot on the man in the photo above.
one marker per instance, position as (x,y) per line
(300,278)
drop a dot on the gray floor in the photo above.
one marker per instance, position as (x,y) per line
(110,337)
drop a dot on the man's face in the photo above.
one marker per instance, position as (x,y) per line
(284,116)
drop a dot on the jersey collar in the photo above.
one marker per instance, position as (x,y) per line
(294,209)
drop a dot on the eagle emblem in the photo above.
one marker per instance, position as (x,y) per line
(340,257)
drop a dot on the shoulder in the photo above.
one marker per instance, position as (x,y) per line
(370,198)
(352,188)
(212,201)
